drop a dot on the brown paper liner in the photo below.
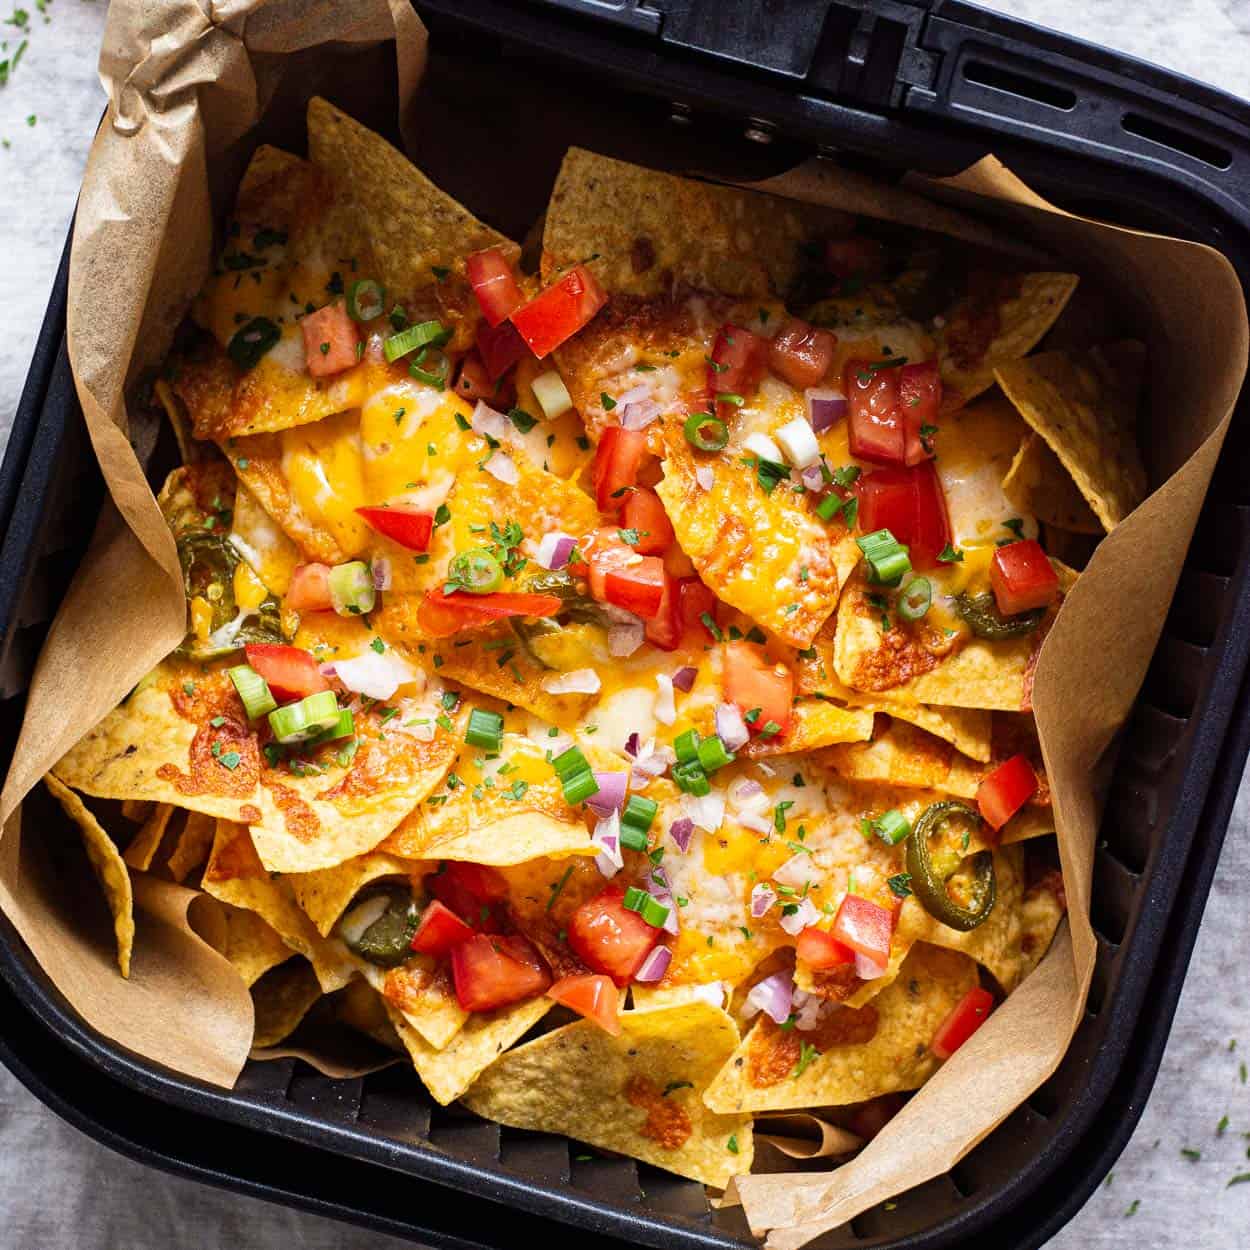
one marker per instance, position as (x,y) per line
(189,94)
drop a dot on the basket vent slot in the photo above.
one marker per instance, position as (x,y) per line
(1013,83)
(1178,140)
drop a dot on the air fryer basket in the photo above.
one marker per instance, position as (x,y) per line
(885,86)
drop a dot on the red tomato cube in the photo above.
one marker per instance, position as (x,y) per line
(866,927)
(593,996)
(919,400)
(966,1017)
(309,590)
(757,686)
(330,340)
(439,930)
(404,524)
(557,312)
(1006,790)
(644,512)
(801,354)
(874,421)
(821,950)
(1023,578)
(609,938)
(491,970)
(291,672)
(493,282)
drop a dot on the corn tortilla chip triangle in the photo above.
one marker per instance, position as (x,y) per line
(281,999)
(252,945)
(639,1093)
(1038,484)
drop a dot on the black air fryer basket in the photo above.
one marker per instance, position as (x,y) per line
(879,85)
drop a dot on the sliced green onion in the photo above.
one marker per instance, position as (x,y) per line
(569,762)
(691,778)
(478,572)
(633,839)
(638,814)
(344,728)
(914,599)
(892,826)
(654,912)
(886,556)
(248,344)
(552,395)
(706,432)
(712,754)
(687,746)
(253,689)
(366,300)
(351,588)
(432,366)
(312,715)
(423,333)
(579,787)
(635,899)
(485,729)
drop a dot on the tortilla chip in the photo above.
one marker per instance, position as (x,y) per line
(236,876)
(159,744)
(815,723)
(144,845)
(253,946)
(108,866)
(643,232)
(324,895)
(861,1052)
(270,553)
(282,998)
(639,1094)
(421,991)
(1037,483)
(137,810)
(1085,408)
(751,547)
(192,847)
(362,1008)
(1021,311)
(1041,910)
(448,1072)
(414,229)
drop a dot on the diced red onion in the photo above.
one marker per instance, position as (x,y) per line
(796,871)
(487,421)
(730,726)
(381,573)
(707,811)
(809,1009)
(652,761)
(681,831)
(825,406)
(774,996)
(665,706)
(796,922)
(624,639)
(812,477)
(631,744)
(555,549)
(327,670)
(868,969)
(579,681)
(607,837)
(501,467)
(763,896)
(611,795)
(655,965)
(683,679)
(746,791)
(754,821)
(705,475)
(639,414)
(662,893)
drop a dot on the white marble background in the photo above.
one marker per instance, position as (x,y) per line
(60,1191)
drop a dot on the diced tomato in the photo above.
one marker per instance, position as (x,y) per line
(473,382)
(1006,790)
(865,927)
(663,630)
(820,950)
(590,995)
(500,347)
(609,938)
(856,256)
(493,282)
(867,1121)
(330,339)
(473,892)
(679,620)
(911,504)
(617,460)
(694,602)
(752,683)
(801,354)
(442,615)
(490,970)
(439,930)
(638,588)
(874,423)
(1022,578)
(309,590)
(919,399)
(291,672)
(737,362)
(966,1017)
(557,312)
(644,512)
(677,564)
(402,523)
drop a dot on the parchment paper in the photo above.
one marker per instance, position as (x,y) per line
(190,87)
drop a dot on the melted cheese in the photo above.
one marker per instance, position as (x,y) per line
(324,468)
